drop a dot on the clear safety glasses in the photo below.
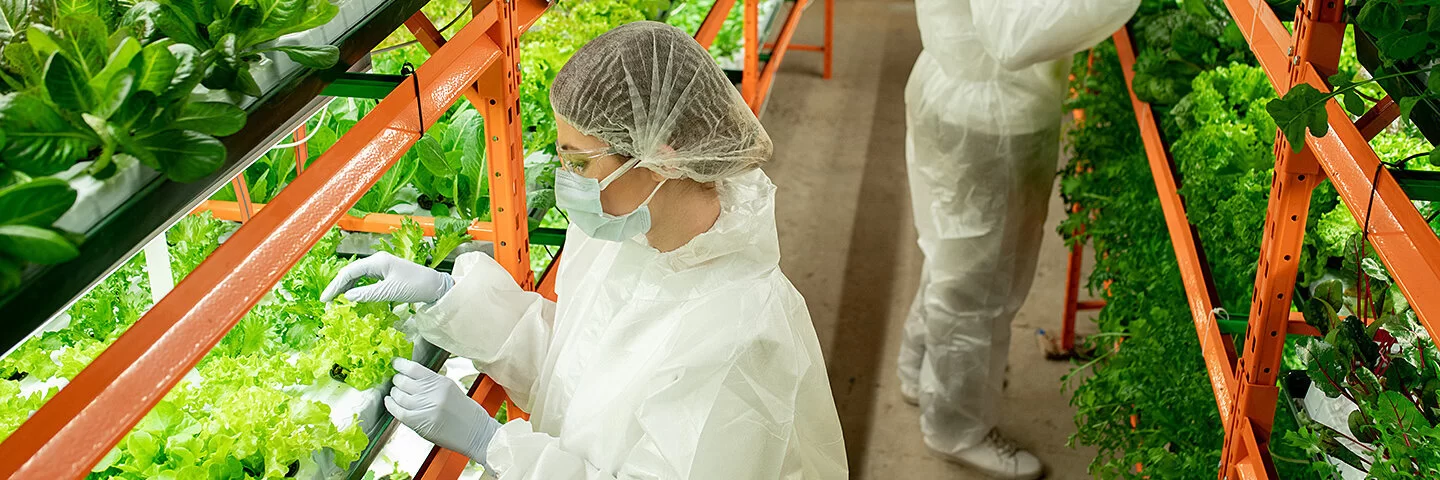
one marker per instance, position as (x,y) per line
(576,161)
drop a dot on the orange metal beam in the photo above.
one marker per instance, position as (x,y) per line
(782,44)
(1267,36)
(800,47)
(755,81)
(370,223)
(302,149)
(1377,118)
(1296,325)
(498,92)
(1073,262)
(1072,297)
(547,280)
(71,432)
(714,20)
(750,76)
(829,36)
(1410,250)
(425,32)
(244,208)
(1315,47)
(1219,360)
(498,103)
(497,98)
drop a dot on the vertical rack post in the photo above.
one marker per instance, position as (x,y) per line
(829,46)
(302,148)
(500,93)
(750,78)
(242,197)
(1319,31)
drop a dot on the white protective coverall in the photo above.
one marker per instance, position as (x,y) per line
(983,111)
(698,363)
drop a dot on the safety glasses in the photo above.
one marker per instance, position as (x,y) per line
(576,161)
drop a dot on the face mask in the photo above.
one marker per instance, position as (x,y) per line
(579,196)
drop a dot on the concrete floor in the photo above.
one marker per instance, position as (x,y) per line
(845,227)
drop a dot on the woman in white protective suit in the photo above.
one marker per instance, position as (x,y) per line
(677,350)
(983,111)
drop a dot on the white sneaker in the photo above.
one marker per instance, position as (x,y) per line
(998,457)
(910,394)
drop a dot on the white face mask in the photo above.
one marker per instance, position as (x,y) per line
(579,196)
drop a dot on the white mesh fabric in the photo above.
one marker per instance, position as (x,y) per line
(652,93)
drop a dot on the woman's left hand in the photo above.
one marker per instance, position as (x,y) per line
(438,410)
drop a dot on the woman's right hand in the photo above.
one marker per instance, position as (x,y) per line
(400,281)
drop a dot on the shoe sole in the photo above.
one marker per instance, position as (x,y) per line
(987,472)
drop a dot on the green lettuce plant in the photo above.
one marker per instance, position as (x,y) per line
(232,34)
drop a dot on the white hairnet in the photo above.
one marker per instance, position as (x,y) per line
(652,93)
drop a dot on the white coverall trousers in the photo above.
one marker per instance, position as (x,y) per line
(979,202)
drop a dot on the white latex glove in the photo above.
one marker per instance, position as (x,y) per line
(434,407)
(400,281)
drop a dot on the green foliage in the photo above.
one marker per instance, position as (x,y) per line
(92,98)
(568,26)
(688,15)
(407,242)
(1157,373)
(360,345)
(231,35)
(453,161)
(1222,149)
(1403,30)
(242,413)
(192,240)
(1223,153)
(1225,156)
(1175,44)
(27,210)
(450,234)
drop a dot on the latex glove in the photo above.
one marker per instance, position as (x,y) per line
(434,407)
(400,281)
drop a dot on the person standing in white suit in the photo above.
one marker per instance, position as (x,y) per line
(983,114)
(677,349)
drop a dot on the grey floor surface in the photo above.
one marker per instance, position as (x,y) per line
(849,245)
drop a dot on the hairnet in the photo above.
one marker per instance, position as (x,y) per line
(652,93)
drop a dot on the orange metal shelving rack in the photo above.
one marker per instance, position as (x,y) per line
(755,88)
(72,431)
(1244,382)
(756,80)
